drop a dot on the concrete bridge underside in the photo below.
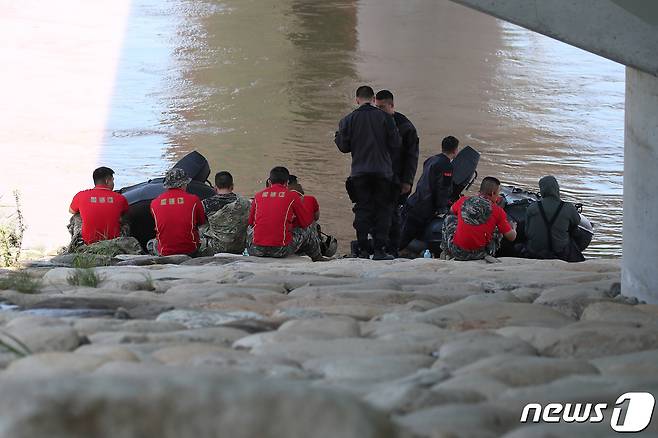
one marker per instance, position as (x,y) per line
(625,31)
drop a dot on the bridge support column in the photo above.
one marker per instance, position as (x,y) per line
(640,245)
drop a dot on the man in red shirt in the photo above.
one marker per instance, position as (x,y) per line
(177,215)
(272,220)
(310,202)
(100,210)
(477,225)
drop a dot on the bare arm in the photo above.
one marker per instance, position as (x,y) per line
(510,235)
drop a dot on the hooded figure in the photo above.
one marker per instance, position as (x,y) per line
(550,223)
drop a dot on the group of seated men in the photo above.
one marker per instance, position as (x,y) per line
(474,226)
(280,221)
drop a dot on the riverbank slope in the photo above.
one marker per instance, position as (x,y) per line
(248,347)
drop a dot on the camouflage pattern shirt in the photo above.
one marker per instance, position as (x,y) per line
(226,229)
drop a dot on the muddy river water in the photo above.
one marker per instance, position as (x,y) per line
(256,83)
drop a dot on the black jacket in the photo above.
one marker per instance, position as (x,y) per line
(565,223)
(373,139)
(406,164)
(434,188)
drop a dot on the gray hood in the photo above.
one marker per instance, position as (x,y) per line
(548,187)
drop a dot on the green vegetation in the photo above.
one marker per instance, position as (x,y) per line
(146,284)
(85,261)
(12,344)
(21,281)
(11,236)
(84,277)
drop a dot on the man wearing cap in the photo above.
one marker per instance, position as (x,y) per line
(97,213)
(177,216)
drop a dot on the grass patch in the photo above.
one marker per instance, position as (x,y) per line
(146,284)
(14,345)
(85,261)
(21,281)
(11,236)
(86,277)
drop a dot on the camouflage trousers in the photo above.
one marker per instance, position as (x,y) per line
(75,230)
(305,241)
(452,250)
(152,249)
(125,244)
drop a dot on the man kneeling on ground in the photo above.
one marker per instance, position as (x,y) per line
(177,215)
(476,225)
(272,216)
(228,216)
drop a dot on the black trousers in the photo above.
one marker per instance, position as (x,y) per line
(394,235)
(373,206)
(412,227)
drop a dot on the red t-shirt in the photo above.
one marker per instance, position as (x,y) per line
(474,237)
(311,204)
(272,214)
(100,209)
(177,215)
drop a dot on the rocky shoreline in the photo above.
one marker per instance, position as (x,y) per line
(245,347)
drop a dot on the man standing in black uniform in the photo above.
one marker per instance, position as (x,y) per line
(370,135)
(433,193)
(404,165)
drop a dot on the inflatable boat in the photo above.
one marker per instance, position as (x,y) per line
(514,201)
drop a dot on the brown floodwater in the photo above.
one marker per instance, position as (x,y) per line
(256,83)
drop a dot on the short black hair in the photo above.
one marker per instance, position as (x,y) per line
(279,175)
(292,179)
(384,95)
(223,180)
(449,144)
(489,185)
(365,92)
(101,174)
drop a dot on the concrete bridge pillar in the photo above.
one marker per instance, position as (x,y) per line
(640,246)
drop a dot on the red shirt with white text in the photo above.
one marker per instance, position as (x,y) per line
(272,214)
(177,215)
(100,209)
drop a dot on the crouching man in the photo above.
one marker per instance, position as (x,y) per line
(552,238)
(476,226)
(272,217)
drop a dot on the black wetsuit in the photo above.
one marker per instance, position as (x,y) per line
(432,197)
(372,138)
